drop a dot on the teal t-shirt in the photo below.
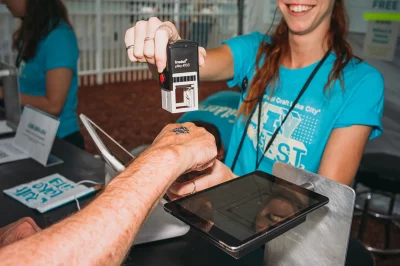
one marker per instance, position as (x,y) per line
(58,50)
(304,135)
(219,109)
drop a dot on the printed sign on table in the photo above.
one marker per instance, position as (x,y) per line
(36,133)
(8,153)
(48,192)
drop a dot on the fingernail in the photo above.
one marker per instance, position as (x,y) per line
(160,67)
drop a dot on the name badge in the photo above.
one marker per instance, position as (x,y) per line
(36,133)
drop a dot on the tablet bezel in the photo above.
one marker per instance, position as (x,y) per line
(111,160)
(231,243)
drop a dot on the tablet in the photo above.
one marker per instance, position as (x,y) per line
(243,214)
(114,154)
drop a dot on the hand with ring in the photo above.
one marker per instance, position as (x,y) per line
(147,42)
(193,147)
(196,181)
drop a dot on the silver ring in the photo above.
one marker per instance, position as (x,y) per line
(130,46)
(181,130)
(171,32)
(148,39)
(194,189)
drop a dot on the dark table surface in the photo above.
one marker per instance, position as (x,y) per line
(386,165)
(78,165)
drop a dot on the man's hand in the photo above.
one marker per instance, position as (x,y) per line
(118,213)
(18,230)
(217,174)
(194,151)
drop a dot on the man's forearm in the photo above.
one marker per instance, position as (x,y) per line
(102,233)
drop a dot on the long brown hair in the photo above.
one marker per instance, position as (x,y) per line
(270,55)
(40,19)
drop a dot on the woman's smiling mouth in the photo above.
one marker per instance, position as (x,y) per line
(296,10)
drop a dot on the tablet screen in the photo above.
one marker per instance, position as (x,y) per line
(115,149)
(247,206)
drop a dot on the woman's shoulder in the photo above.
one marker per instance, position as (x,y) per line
(61,32)
(361,69)
(362,78)
(62,36)
(63,25)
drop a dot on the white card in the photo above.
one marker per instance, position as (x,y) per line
(36,133)
(48,192)
(8,153)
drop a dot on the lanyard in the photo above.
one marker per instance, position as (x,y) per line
(271,140)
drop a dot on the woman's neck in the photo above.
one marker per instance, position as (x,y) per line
(306,49)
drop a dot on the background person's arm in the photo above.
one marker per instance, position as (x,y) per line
(58,81)
(103,232)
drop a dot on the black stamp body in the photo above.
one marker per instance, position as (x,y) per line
(179,82)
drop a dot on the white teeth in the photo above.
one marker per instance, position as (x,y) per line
(275,218)
(299,8)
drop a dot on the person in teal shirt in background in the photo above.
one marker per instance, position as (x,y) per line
(47,62)
(219,110)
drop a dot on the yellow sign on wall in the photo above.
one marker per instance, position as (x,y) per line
(382,16)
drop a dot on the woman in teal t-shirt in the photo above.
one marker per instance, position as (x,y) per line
(47,61)
(323,130)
